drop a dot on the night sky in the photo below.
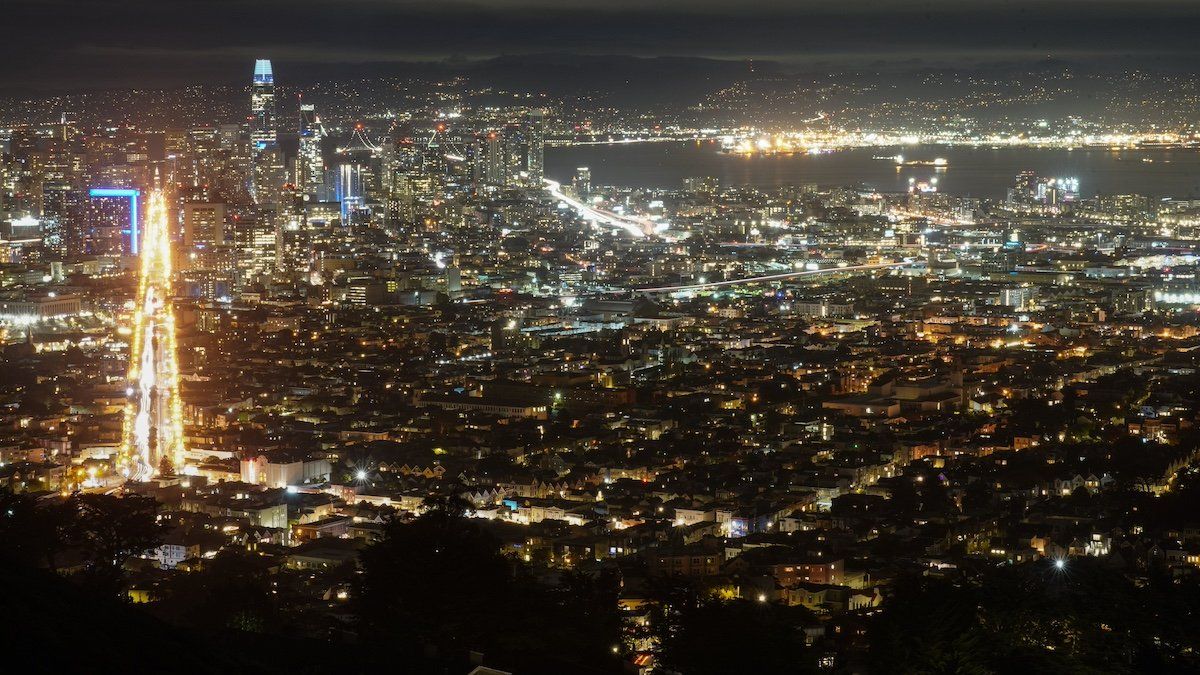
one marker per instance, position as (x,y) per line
(56,44)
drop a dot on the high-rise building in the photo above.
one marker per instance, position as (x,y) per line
(203,225)
(268,175)
(401,200)
(109,225)
(262,105)
(516,153)
(310,167)
(267,170)
(293,238)
(61,207)
(254,241)
(535,160)
(495,172)
(582,182)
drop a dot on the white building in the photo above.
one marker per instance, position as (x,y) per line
(280,472)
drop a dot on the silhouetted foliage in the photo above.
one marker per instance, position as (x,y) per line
(699,634)
(34,532)
(232,590)
(441,583)
(1036,617)
(109,529)
(106,530)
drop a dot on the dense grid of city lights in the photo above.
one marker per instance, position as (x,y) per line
(719,397)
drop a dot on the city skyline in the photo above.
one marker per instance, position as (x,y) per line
(870,346)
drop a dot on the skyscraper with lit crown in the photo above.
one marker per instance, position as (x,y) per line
(262,105)
(267,172)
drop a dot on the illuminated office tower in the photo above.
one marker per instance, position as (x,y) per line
(109,225)
(293,240)
(176,143)
(269,174)
(402,200)
(7,178)
(203,225)
(262,105)
(230,136)
(61,207)
(267,170)
(582,182)
(402,161)
(54,238)
(535,160)
(390,165)
(60,199)
(68,127)
(476,159)
(495,172)
(516,153)
(254,242)
(310,167)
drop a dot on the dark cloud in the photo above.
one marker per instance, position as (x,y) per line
(68,43)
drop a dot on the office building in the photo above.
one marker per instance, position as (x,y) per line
(535,161)
(263,132)
(310,166)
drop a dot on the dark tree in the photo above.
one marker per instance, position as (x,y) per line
(716,637)
(33,532)
(1037,617)
(233,590)
(441,585)
(699,634)
(439,580)
(110,529)
(928,626)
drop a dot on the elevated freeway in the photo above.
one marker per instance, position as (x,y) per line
(767,278)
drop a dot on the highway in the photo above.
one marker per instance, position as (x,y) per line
(153,426)
(642,227)
(637,227)
(566,143)
(769,278)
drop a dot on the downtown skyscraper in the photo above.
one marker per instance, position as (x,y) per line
(267,172)
(264,133)
(310,167)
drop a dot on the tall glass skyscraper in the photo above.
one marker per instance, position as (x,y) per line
(262,105)
(310,168)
